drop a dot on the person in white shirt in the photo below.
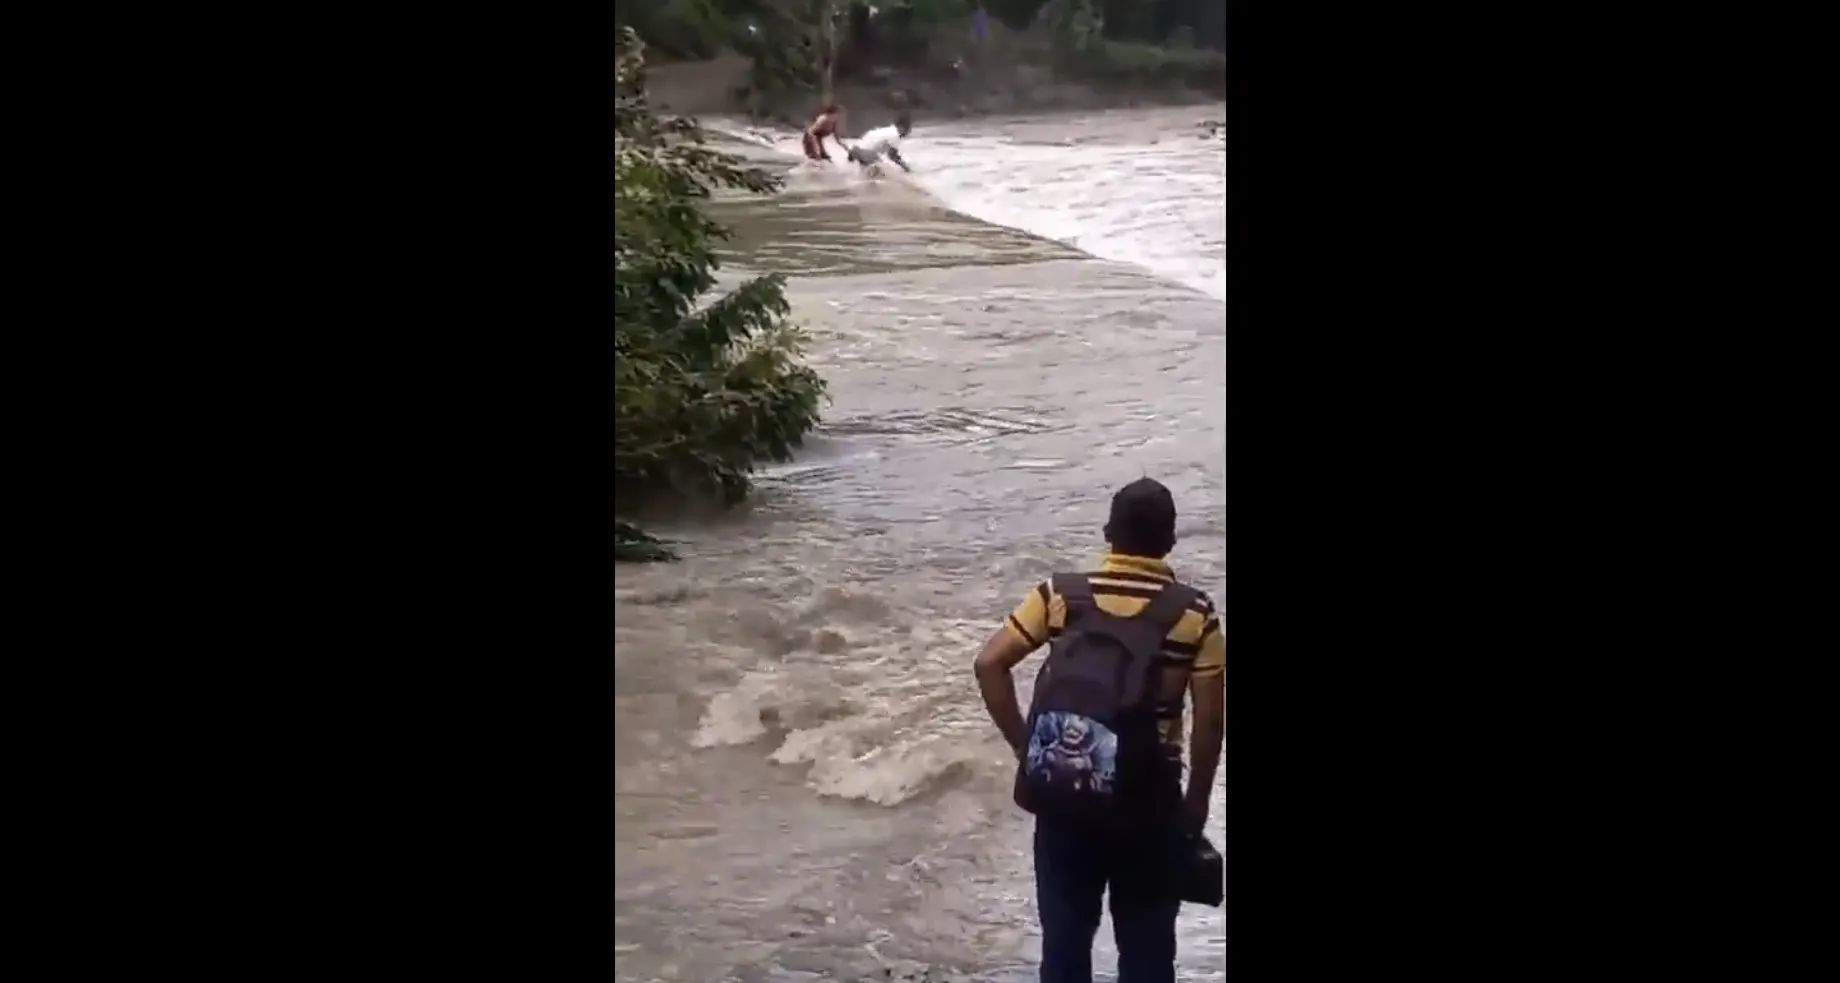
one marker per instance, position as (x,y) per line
(883,141)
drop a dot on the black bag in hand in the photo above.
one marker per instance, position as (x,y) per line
(1200,872)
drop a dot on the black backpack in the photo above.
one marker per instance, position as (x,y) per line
(1093,753)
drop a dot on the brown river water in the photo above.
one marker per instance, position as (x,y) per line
(807,786)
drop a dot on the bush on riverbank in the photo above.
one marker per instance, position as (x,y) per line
(1146,66)
(704,388)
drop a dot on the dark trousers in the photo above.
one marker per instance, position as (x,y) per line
(1073,868)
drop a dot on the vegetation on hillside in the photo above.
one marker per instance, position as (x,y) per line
(809,45)
(705,388)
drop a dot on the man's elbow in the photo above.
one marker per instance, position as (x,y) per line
(994,661)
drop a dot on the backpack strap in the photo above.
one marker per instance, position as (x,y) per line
(1166,609)
(1075,590)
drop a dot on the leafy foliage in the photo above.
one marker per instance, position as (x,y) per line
(684,28)
(1089,43)
(704,388)
(804,46)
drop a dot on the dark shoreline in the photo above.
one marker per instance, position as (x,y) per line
(708,88)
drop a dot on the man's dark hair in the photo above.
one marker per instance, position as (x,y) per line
(1143,520)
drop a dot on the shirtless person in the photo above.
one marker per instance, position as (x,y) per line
(825,125)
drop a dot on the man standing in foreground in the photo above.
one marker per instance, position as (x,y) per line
(1100,756)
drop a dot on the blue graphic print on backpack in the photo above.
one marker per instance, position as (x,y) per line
(1073,753)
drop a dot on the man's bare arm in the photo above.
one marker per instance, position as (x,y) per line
(993,666)
(1205,738)
(1207,696)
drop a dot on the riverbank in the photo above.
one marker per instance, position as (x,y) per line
(1008,74)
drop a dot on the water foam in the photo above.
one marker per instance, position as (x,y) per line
(1158,206)
(873,711)
(886,753)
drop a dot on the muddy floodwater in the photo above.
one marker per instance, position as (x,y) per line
(807,785)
